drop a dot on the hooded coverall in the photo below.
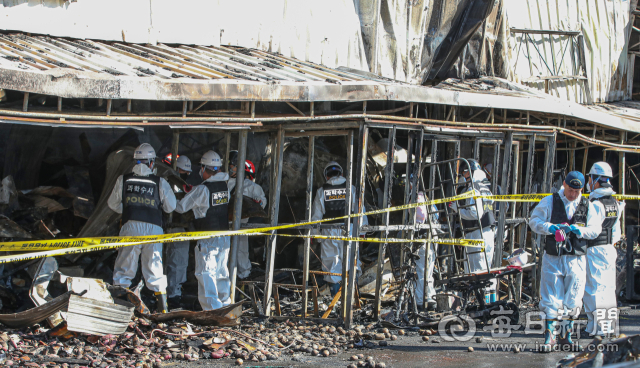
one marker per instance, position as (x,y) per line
(331,252)
(211,255)
(600,289)
(563,277)
(126,264)
(255,192)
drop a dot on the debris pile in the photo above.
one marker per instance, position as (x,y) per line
(148,344)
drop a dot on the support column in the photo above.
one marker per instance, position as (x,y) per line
(346,245)
(363,140)
(388,172)
(504,184)
(175,144)
(274,210)
(307,241)
(622,178)
(237,208)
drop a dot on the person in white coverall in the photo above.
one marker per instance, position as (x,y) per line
(566,220)
(255,192)
(421,218)
(178,252)
(481,210)
(329,202)
(600,291)
(140,197)
(209,202)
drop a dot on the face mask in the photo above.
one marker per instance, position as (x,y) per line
(184,176)
(201,172)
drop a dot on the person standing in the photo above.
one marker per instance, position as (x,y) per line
(254,191)
(600,290)
(178,252)
(140,197)
(566,220)
(329,202)
(209,202)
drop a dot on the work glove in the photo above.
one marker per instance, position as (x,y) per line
(554,228)
(453,206)
(187,187)
(576,230)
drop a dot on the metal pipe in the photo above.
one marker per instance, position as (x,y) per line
(225,164)
(237,208)
(307,241)
(25,102)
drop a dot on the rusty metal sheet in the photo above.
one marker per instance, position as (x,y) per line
(223,317)
(37,314)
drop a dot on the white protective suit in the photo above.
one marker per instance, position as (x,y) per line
(255,192)
(421,218)
(331,252)
(212,255)
(126,264)
(476,261)
(600,289)
(563,277)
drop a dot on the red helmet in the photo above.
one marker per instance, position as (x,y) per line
(249,169)
(167,159)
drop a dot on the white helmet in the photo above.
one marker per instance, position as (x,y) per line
(211,158)
(601,169)
(184,163)
(332,166)
(144,152)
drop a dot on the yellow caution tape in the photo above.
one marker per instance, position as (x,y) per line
(539,196)
(462,242)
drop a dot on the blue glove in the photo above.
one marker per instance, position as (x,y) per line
(553,229)
(574,229)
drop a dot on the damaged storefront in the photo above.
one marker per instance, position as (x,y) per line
(73,112)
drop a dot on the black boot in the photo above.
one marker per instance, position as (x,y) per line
(175,302)
(161,302)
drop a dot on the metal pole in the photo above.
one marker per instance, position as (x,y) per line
(175,144)
(514,190)
(227,137)
(361,167)
(275,208)
(504,184)
(346,245)
(388,172)
(237,208)
(525,206)
(307,242)
(622,177)
(550,151)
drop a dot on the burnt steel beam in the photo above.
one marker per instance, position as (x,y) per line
(388,173)
(348,267)
(363,140)
(278,147)
(237,207)
(307,242)
(504,184)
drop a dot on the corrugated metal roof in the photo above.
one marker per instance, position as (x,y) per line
(42,53)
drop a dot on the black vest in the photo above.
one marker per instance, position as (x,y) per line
(335,201)
(217,216)
(141,199)
(573,245)
(610,217)
(488,217)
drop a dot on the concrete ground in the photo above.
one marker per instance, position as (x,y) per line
(411,351)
